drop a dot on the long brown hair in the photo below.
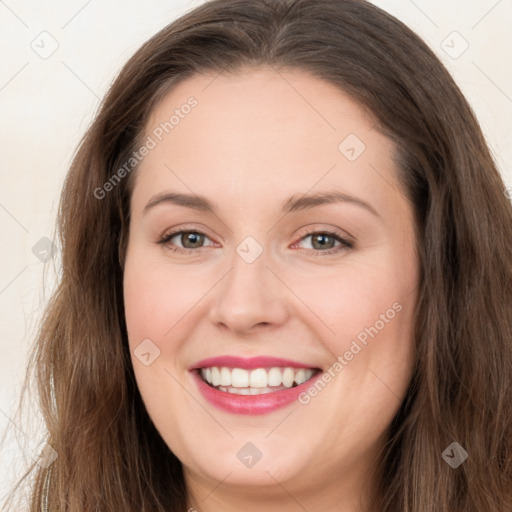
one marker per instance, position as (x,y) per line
(110,456)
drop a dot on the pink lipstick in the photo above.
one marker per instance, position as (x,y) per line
(255,385)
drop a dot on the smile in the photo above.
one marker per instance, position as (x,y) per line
(255,385)
(259,381)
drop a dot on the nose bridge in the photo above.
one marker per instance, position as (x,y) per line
(250,294)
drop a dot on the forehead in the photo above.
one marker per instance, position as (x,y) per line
(261,129)
(256,104)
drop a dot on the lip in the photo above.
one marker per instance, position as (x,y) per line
(248,363)
(250,404)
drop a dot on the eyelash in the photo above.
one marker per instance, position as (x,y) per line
(345,244)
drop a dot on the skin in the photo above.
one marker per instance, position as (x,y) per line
(255,139)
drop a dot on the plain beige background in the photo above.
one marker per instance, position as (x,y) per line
(58,58)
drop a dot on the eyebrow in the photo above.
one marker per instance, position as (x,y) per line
(292,204)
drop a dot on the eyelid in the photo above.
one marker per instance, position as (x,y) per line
(181,228)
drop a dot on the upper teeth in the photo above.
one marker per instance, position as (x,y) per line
(258,378)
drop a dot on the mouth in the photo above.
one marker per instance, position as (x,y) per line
(259,381)
(255,385)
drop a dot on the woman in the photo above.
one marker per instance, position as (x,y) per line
(249,370)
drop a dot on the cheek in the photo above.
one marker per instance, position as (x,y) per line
(365,315)
(157,296)
(354,299)
(155,300)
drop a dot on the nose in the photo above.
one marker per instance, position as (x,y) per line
(250,297)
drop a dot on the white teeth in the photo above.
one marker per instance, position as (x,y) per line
(274,377)
(288,377)
(215,376)
(225,377)
(239,378)
(258,378)
(300,376)
(254,382)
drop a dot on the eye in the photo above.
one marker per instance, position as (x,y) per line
(190,240)
(325,240)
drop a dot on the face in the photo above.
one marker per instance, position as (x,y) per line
(271,252)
